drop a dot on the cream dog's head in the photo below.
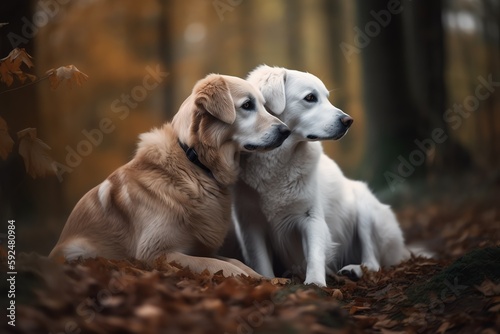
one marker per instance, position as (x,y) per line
(225,115)
(300,100)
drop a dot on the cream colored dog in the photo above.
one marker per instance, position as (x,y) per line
(173,198)
(294,203)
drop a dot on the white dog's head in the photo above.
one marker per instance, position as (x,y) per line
(300,100)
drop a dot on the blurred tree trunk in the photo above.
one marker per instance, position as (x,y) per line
(402,55)
(345,88)
(491,30)
(336,11)
(166,56)
(392,122)
(294,33)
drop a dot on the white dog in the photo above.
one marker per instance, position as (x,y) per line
(295,203)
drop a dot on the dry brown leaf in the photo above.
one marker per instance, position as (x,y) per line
(337,294)
(18,57)
(6,142)
(385,323)
(488,288)
(280,281)
(34,153)
(355,309)
(211,304)
(10,66)
(5,74)
(148,311)
(388,331)
(489,331)
(365,321)
(23,76)
(69,74)
(444,327)
(494,308)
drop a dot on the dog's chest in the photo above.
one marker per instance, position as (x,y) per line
(289,190)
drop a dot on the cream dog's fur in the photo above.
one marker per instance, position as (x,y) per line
(161,203)
(295,203)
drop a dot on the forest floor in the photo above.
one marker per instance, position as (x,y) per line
(457,293)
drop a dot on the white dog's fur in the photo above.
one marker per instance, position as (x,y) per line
(295,203)
(173,198)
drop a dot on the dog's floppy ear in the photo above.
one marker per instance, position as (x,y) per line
(271,83)
(212,95)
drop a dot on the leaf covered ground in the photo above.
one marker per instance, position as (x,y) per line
(457,293)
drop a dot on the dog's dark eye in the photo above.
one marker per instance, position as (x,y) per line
(311,98)
(248,105)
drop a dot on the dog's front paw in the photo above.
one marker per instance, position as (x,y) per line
(371,265)
(319,282)
(352,271)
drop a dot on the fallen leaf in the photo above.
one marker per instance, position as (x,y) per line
(365,321)
(385,323)
(148,311)
(489,331)
(34,152)
(494,308)
(444,327)
(355,309)
(337,294)
(212,304)
(280,281)
(488,288)
(6,142)
(69,74)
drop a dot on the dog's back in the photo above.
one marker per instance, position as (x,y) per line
(150,205)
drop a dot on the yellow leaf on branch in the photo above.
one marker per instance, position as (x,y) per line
(69,74)
(6,142)
(34,153)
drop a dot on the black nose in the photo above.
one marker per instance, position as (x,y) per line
(284,130)
(347,120)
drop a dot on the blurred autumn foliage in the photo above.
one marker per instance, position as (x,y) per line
(33,150)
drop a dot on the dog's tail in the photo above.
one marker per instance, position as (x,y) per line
(71,250)
(419,249)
